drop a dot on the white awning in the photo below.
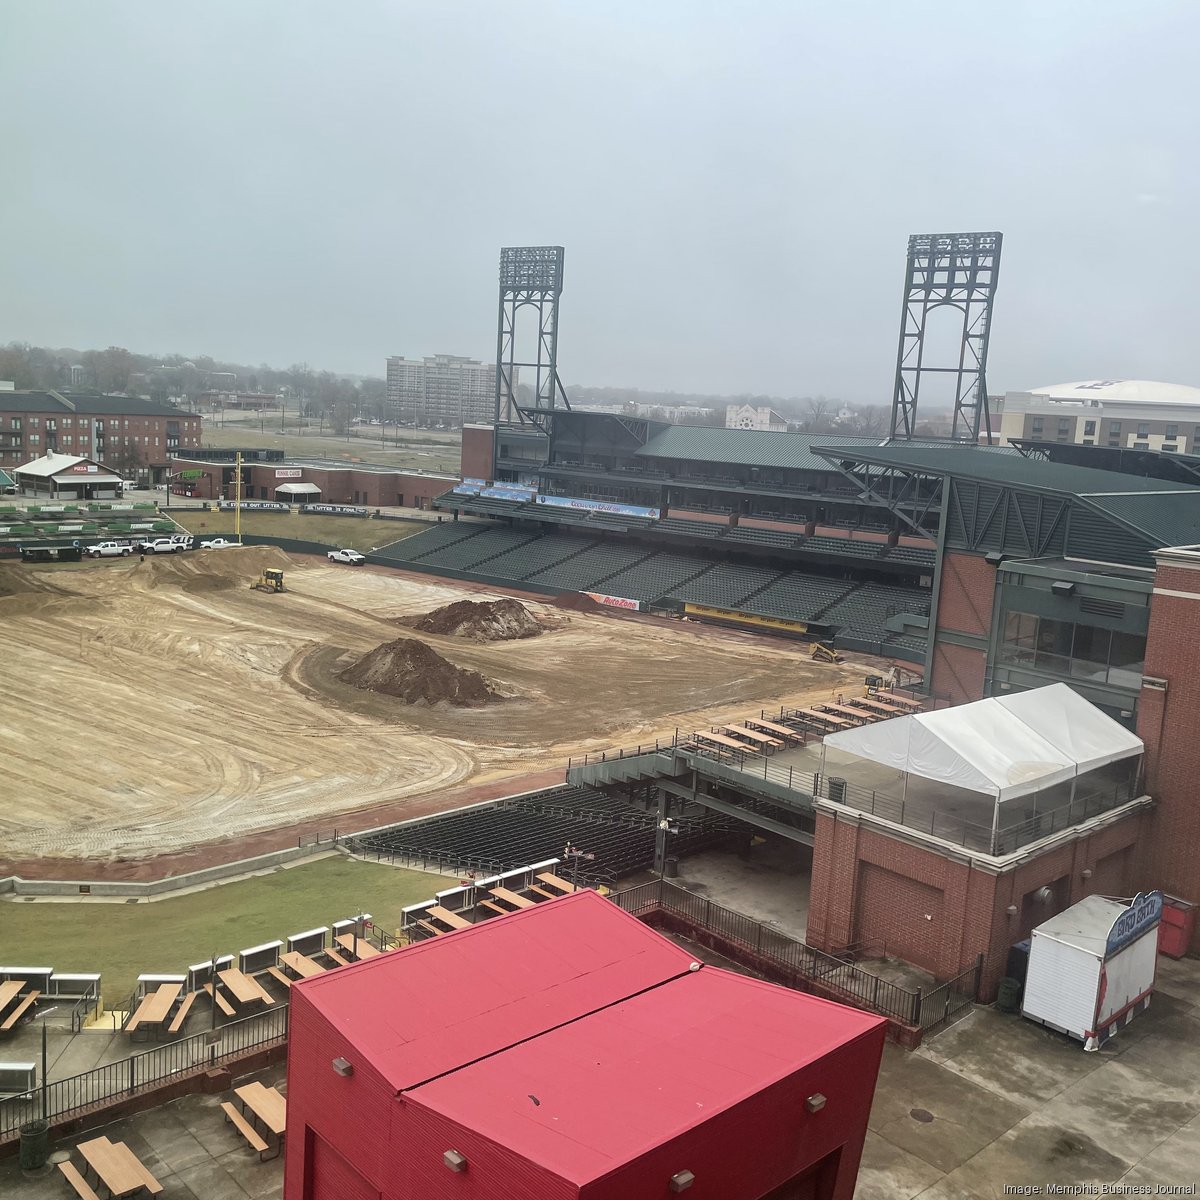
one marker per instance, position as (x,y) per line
(1004,747)
(298,489)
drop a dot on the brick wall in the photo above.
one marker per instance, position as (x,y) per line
(476,458)
(958,672)
(870,887)
(968,588)
(1170,854)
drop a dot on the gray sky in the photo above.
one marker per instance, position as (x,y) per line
(284,180)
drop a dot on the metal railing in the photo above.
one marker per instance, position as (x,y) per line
(795,963)
(78,1094)
(974,835)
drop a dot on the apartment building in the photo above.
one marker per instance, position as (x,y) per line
(444,390)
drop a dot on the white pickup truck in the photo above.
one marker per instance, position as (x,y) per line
(346,556)
(108,550)
(162,545)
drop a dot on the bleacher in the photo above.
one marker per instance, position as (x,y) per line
(862,612)
(529,559)
(490,506)
(763,537)
(537,826)
(473,551)
(586,570)
(725,585)
(687,528)
(656,577)
(798,597)
(845,547)
(912,554)
(428,541)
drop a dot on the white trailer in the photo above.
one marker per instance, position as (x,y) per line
(1092,967)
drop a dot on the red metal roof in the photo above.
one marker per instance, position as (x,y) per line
(419,1012)
(614,1084)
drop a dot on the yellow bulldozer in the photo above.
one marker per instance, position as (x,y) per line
(824,653)
(269,581)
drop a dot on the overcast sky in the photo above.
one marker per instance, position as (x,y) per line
(283,180)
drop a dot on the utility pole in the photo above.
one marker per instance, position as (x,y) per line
(237,506)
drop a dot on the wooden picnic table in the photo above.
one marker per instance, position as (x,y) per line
(512,898)
(764,739)
(10,989)
(829,718)
(553,881)
(904,701)
(446,917)
(117,1167)
(244,989)
(844,710)
(727,742)
(266,1103)
(157,1005)
(782,730)
(875,706)
(301,964)
(360,947)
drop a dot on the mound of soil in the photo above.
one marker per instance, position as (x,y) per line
(483,620)
(577,602)
(412,672)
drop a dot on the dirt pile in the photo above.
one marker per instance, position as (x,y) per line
(483,620)
(212,571)
(577,602)
(412,672)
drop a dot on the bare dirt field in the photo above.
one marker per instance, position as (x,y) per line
(159,705)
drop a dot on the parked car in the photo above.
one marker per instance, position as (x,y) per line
(346,556)
(184,539)
(161,545)
(217,543)
(108,550)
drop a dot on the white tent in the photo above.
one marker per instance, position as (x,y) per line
(1004,747)
(297,489)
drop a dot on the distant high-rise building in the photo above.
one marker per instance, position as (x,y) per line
(445,389)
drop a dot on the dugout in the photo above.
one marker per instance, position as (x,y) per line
(569,1051)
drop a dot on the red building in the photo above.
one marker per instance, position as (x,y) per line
(568,1051)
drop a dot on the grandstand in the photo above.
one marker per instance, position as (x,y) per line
(537,826)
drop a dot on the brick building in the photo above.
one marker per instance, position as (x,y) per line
(212,477)
(133,436)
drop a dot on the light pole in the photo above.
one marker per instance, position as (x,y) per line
(666,827)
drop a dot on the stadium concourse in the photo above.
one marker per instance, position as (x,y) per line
(991,570)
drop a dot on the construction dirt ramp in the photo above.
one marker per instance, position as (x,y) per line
(412,672)
(482,620)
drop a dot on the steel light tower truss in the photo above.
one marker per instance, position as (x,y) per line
(531,280)
(959,271)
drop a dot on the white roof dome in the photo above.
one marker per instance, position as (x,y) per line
(1122,391)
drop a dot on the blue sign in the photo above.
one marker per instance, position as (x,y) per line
(622,510)
(466,488)
(1142,914)
(475,483)
(521,495)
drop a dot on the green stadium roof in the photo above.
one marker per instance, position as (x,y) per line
(1165,513)
(752,447)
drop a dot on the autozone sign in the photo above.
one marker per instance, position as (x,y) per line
(614,601)
(289,473)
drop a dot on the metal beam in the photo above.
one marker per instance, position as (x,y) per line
(741,814)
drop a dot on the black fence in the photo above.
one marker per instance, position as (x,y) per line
(791,961)
(78,1095)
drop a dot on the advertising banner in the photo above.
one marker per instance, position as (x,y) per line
(260,505)
(615,601)
(289,473)
(742,618)
(1143,913)
(335,510)
(468,481)
(509,492)
(622,510)
(465,489)
(84,469)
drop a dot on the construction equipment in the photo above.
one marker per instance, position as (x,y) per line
(270,580)
(824,653)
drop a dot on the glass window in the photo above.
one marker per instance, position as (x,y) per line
(1172,431)
(1126,659)
(1115,427)
(1090,652)
(1089,427)
(1143,430)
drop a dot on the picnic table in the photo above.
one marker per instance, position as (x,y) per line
(904,701)
(502,893)
(244,989)
(360,947)
(763,739)
(10,990)
(266,1103)
(844,710)
(117,1167)
(301,964)
(727,743)
(559,885)
(827,717)
(155,1006)
(446,917)
(877,706)
(782,730)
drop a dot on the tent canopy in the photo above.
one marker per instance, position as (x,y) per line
(298,489)
(1004,746)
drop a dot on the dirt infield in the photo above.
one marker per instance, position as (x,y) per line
(153,707)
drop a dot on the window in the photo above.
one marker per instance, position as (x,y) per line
(16,423)
(1064,425)
(1073,650)
(1114,427)
(1037,424)
(1089,428)
(1143,430)
(1141,445)
(1169,449)
(1172,431)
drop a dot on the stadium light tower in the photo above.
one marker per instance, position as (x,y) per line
(531,281)
(957,271)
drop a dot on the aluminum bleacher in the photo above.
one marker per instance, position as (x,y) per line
(538,555)
(797,596)
(725,585)
(428,541)
(473,551)
(657,576)
(763,537)
(589,568)
(681,525)
(861,613)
